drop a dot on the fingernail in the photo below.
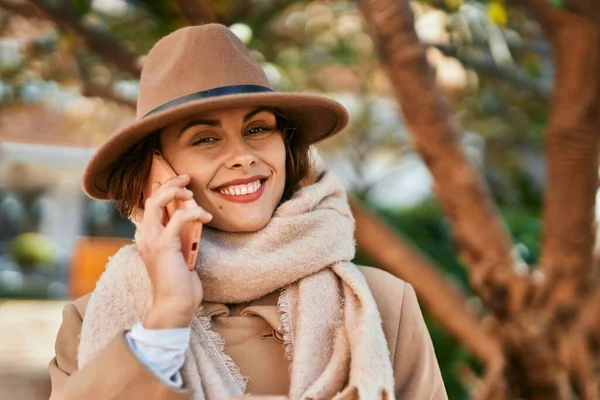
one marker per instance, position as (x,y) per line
(208,215)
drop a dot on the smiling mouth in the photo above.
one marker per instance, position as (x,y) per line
(243,193)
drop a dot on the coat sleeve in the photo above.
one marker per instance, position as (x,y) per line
(416,370)
(114,374)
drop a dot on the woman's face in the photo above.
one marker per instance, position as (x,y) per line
(236,161)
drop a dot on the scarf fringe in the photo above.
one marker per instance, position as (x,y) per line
(283,303)
(218,350)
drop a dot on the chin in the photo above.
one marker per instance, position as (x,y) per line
(242,224)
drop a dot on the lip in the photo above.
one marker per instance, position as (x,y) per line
(242,181)
(244,198)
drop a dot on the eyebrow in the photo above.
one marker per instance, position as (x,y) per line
(216,122)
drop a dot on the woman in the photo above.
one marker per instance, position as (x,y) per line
(274,306)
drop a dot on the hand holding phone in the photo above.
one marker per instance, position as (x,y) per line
(167,241)
(190,233)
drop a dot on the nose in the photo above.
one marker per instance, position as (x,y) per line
(240,155)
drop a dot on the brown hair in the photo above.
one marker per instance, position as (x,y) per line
(127,180)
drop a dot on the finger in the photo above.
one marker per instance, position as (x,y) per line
(164,197)
(157,188)
(184,215)
(154,208)
(179,181)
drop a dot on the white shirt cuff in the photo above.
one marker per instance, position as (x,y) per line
(161,350)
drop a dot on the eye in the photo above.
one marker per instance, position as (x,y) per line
(259,130)
(204,140)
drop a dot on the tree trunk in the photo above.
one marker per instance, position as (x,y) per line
(572,144)
(482,240)
(549,349)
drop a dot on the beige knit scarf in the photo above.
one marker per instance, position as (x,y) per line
(333,334)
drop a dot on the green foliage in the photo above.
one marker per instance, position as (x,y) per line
(425,227)
(525,227)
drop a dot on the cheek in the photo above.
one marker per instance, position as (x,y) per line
(200,171)
(276,157)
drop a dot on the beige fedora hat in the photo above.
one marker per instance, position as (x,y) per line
(198,69)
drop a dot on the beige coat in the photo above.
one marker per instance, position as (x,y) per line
(250,332)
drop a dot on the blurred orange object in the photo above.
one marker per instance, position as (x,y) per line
(89,260)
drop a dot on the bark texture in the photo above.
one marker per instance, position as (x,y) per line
(572,139)
(481,237)
(546,327)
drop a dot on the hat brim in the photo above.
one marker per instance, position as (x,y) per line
(318,117)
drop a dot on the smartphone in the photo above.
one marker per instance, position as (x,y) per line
(160,172)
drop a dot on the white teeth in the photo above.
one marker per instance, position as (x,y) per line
(240,190)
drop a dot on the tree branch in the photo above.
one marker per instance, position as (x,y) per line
(584,368)
(494,385)
(482,240)
(512,75)
(442,300)
(588,321)
(580,349)
(90,90)
(96,39)
(572,141)
(516,45)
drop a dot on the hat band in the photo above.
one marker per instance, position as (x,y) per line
(216,92)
